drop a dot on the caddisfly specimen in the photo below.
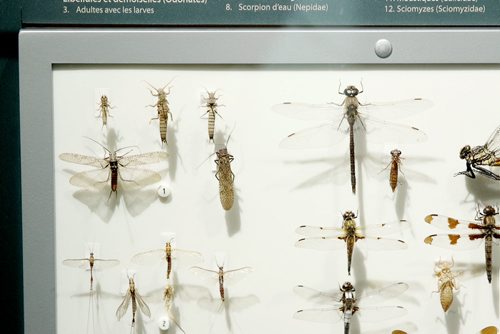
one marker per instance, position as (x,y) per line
(132,296)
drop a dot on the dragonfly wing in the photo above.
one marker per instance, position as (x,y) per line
(397,109)
(448,223)
(307,111)
(101,264)
(136,177)
(149,258)
(380,131)
(142,305)
(77,263)
(381,313)
(455,241)
(493,143)
(323,315)
(384,229)
(122,309)
(316,231)
(317,297)
(206,274)
(83,159)
(185,258)
(325,135)
(380,295)
(92,179)
(379,243)
(143,159)
(321,243)
(235,275)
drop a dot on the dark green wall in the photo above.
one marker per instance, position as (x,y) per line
(11,278)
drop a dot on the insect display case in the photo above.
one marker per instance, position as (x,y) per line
(284,160)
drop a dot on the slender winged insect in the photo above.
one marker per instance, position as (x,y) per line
(489,330)
(211,104)
(91,263)
(349,235)
(395,168)
(345,304)
(168,297)
(132,297)
(162,109)
(352,111)
(447,284)
(169,254)
(114,167)
(222,276)
(104,107)
(479,156)
(225,176)
(483,228)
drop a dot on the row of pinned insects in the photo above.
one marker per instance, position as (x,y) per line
(171,257)
(350,235)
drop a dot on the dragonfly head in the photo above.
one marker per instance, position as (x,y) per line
(489,211)
(348,215)
(351,91)
(347,286)
(465,151)
(395,153)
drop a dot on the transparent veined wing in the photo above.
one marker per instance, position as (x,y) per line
(143,159)
(77,263)
(149,258)
(322,136)
(383,294)
(137,177)
(142,305)
(318,297)
(374,230)
(396,109)
(381,131)
(309,111)
(235,275)
(382,244)
(184,258)
(101,264)
(321,243)
(493,142)
(92,179)
(379,313)
(316,231)
(322,315)
(206,274)
(448,223)
(122,309)
(455,241)
(83,159)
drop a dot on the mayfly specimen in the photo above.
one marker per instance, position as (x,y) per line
(104,107)
(91,263)
(446,282)
(483,228)
(211,104)
(114,167)
(349,235)
(479,156)
(168,297)
(225,176)
(352,111)
(132,296)
(162,109)
(169,254)
(345,304)
(222,276)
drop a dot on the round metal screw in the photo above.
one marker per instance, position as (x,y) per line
(383,48)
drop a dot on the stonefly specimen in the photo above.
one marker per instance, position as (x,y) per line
(162,109)
(211,104)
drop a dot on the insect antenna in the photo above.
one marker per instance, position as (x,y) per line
(105,148)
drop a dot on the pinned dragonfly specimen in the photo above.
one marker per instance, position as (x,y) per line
(211,104)
(345,304)
(446,282)
(132,297)
(162,109)
(114,167)
(349,235)
(222,276)
(91,263)
(352,111)
(169,254)
(479,156)
(483,228)
(104,107)
(489,330)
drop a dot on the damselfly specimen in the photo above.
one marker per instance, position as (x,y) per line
(479,156)
(91,263)
(211,104)
(483,228)
(352,111)
(446,282)
(349,235)
(162,109)
(114,167)
(132,297)
(104,107)
(169,254)
(345,304)
(222,276)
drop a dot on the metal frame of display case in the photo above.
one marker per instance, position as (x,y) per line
(40,49)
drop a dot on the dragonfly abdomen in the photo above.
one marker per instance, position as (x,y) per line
(446,295)
(211,122)
(488,253)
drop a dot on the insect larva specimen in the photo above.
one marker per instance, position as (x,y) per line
(162,109)
(114,167)
(446,282)
(91,263)
(211,104)
(104,107)
(168,297)
(137,302)
(225,176)
(395,168)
